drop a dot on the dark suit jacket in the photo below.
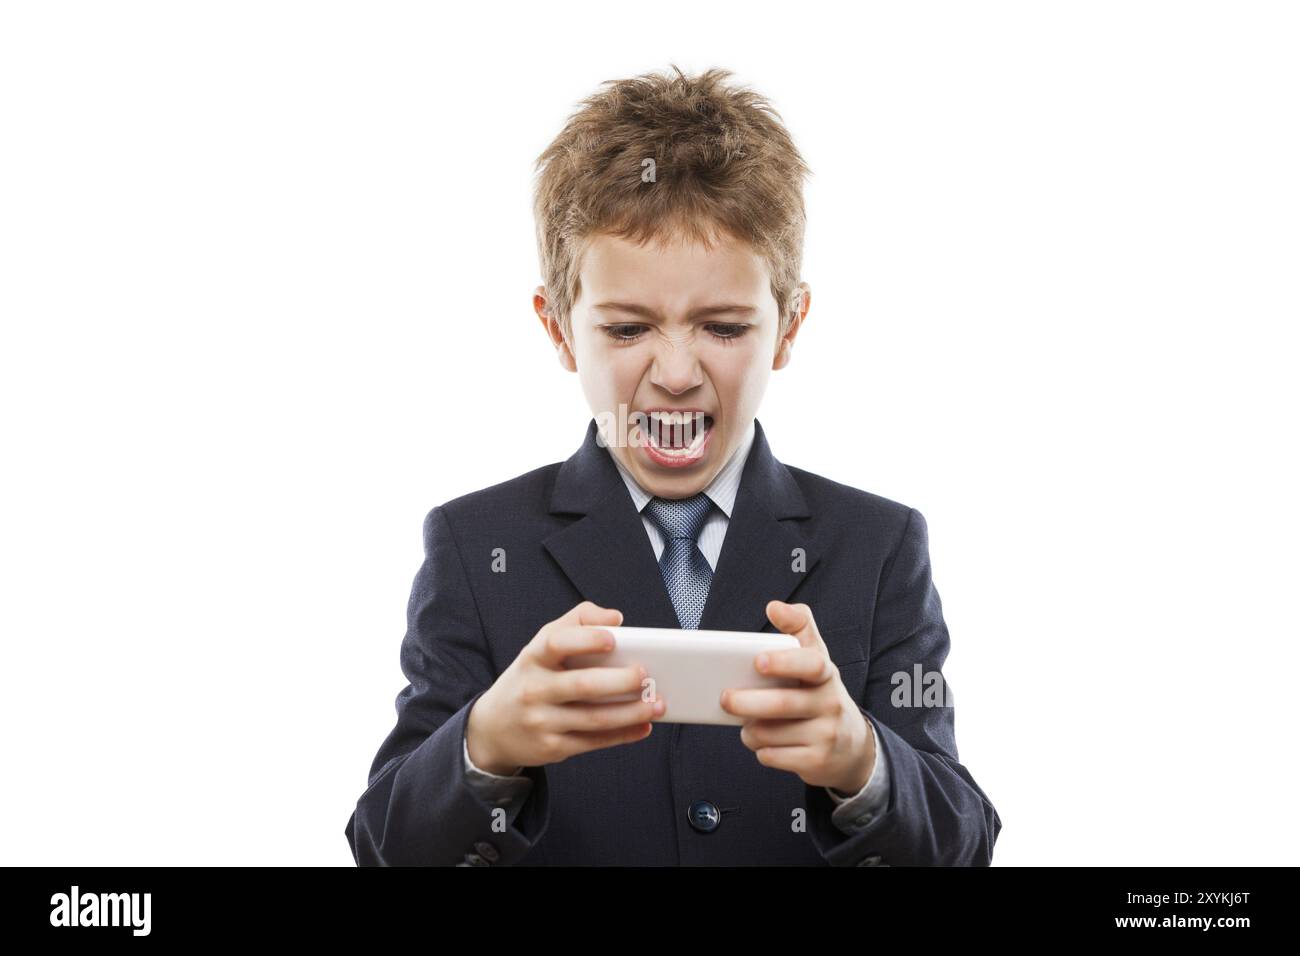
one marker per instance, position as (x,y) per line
(570,532)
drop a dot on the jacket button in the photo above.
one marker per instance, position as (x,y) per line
(704,816)
(487,851)
(872,860)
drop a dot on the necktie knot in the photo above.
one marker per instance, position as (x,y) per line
(680,518)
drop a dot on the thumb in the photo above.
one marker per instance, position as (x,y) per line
(794,619)
(591,613)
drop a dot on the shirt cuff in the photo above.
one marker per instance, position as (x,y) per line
(505,791)
(470,765)
(860,809)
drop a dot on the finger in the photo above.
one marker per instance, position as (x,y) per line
(577,632)
(604,717)
(807,664)
(586,613)
(590,683)
(795,759)
(797,620)
(589,612)
(772,703)
(584,741)
(779,733)
(570,641)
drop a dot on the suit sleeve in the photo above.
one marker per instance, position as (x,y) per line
(419,808)
(936,814)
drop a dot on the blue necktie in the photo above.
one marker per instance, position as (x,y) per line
(686,571)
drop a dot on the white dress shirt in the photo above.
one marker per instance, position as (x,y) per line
(851,813)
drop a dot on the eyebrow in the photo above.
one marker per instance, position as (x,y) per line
(649,313)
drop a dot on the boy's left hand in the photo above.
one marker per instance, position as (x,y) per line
(814,730)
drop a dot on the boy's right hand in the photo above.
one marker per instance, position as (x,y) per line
(538,712)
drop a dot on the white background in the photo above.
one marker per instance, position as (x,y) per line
(265,280)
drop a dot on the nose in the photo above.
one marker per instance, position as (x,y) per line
(676,368)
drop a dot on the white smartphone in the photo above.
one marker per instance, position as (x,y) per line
(689,669)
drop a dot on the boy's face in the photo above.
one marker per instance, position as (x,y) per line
(673,326)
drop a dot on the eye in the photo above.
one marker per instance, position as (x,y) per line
(623,333)
(727,333)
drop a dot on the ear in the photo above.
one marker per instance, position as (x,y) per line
(799,304)
(553,330)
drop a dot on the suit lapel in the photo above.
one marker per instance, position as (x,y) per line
(606,553)
(759,555)
(608,556)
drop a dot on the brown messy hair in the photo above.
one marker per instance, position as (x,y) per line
(723,164)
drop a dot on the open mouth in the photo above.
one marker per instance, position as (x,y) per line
(677,433)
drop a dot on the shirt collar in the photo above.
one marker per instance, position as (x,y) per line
(721,490)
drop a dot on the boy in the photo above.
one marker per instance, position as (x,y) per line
(670,226)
